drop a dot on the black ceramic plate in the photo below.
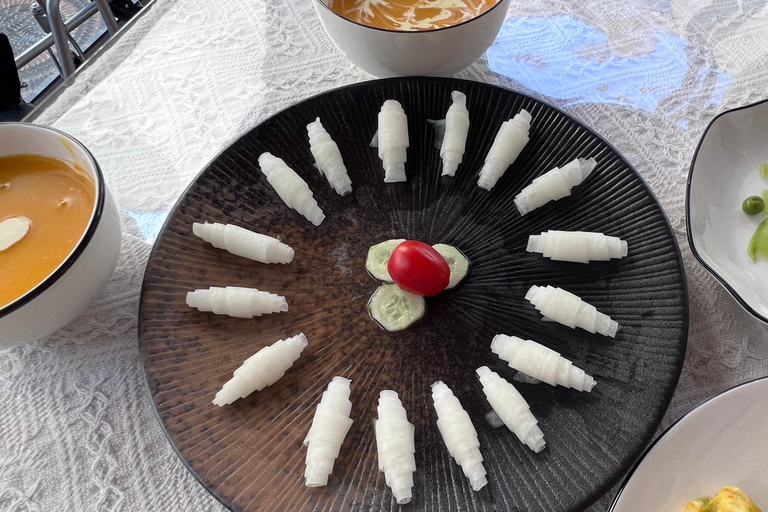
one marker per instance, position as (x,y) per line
(250,454)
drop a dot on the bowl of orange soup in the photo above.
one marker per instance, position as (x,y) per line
(59,231)
(412,37)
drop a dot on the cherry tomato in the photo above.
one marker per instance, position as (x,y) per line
(417,268)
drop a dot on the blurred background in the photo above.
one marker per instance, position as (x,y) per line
(25,23)
(19,23)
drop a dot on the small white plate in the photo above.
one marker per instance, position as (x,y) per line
(724,172)
(723,441)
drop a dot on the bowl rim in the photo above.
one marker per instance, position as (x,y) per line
(691,411)
(93,224)
(688,228)
(427,31)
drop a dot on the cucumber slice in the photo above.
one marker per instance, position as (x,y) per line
(458,263)
(378,257)
(395,309)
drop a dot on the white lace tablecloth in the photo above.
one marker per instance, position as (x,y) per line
(77,427)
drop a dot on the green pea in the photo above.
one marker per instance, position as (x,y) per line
(753,205)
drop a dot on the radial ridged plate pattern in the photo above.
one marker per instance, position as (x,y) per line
(250,454)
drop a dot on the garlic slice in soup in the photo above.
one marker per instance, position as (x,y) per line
(12,230)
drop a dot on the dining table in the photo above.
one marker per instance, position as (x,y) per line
(78,429)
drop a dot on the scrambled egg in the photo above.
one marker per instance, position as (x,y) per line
(730,499)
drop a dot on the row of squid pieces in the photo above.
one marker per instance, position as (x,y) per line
(392,140)
(394,433)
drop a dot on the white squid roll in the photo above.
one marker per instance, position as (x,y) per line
(568,309)
(328,158)
(262,369)
(553,185)
(512,408)
(540,362)
(242,242)
(236,301)
(393,141)
(577,246)
(395,444)
(455,137)
(507,146)
(459,434)
(326,435)
(293,190)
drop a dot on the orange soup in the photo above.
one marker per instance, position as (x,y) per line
(410,14)
(58,200)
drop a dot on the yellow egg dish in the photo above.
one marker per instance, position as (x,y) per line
(730,499)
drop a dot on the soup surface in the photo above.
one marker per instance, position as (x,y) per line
(58,200)
(410,14)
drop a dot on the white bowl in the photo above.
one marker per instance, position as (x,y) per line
(724,172)
(439,52)
(723,441)
(64,294)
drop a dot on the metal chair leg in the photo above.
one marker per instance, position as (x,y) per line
(106,13)
(40,47)
(38,12)
(61,35)
(60,38)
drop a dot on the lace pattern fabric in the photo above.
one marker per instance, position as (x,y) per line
(78,430)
